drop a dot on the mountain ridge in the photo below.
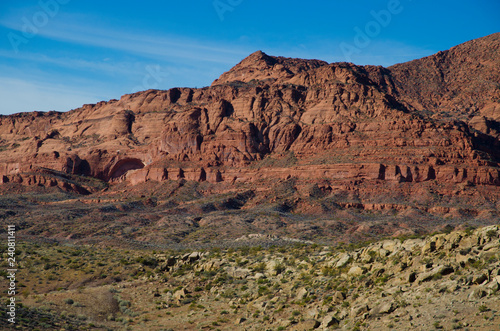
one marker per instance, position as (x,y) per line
(305,136)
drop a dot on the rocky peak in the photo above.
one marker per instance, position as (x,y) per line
(259,66)
(259,56)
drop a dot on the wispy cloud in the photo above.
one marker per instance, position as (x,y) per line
(75,62)
(146,44)
(18,95)
(93,62)
(104,65)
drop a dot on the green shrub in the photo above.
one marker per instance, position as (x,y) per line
(147,261)
(279,268)
(491,234)
(437,325)
(259,267)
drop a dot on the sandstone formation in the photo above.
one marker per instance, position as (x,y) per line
(433,120)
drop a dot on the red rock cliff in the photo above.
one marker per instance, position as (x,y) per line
(435,118)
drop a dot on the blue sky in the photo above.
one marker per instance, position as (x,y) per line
(61,54)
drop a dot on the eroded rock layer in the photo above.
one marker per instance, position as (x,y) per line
(430,120)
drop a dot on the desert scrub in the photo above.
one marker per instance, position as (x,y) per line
(123,304)
(483,308)
(263,290)
(437,325)
(149,261)
(279,268)
(260,267)
(490,234)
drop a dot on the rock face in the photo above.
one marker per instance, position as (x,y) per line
(436,119)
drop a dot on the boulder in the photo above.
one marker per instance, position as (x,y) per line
(308,324)
(411,244)
(449,286)
(479,279)
(391,245)
(356,271)
(493,286)
(271,267)
(329,321)
(435,272)
(383,308)
(301,293)
(359,310)
(429,247)
(238,273)
(240,320)
(338,297)
(476,294)
(343,260)
(180,294)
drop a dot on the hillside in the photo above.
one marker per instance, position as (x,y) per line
(445,281)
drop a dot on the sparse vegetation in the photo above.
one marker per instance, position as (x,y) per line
(76,284)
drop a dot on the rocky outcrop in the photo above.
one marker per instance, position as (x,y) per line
(395,283)
(259,66)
